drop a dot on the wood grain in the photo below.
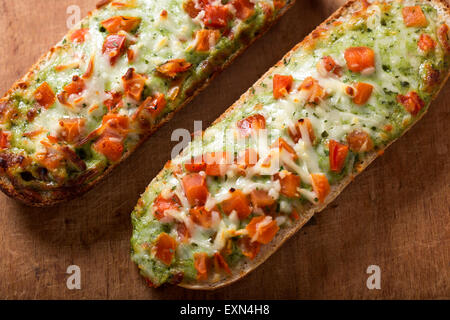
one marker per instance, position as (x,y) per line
(395,215)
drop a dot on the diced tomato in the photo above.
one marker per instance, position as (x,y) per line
(321,186)
(244,9)
(363,93)
(173,67)
(314,91)
(289,184)
(44,95)
(131,55)
(78,35)
(76,86)
(183,232)
(296,133)
(89,69)
(201,265)
(201,216)
(122,4)
(412,102)
(216,16)
(164,248)
(238,202)
(294,215)
(220,263)
(262,229)
(282,85)
(327,66)
(359,141)
(426,43)
(151,108)
(206,39)
(337,156)
(114,47)
(111,147)
(51,158)
(261,199)
(251,124)
(189,7)
(217,163)
(442,35)
(195,188)
(279,4)
(195,164)
(161,204)
(4,139)
(414,17)
(360,59)
(114,102)
(431,76)
(282,144)
(247,158)
(116,124)
(71,129)
(116,24)
(133,83)
(249,249)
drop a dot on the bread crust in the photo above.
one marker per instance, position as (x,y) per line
(54,197)
(284,235)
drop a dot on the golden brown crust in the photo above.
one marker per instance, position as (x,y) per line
(54,197)
(284,235)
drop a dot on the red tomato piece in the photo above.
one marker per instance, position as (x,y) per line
(414,17)
(216,16)
(195,164)
(194,185)
(237,202)
(360,59)
(161,204)
(289,184)
(321,186)
(412,102)
(363,93)
(201,265)
(78,35)
(114,47)
(262,229)
(338,155)
(296,133)
(119,23)
(201,216)
(71,129)
(44,95)
(282,85)
(173,67)
(249,249)
(244,9)
(133,84)
(217,163)
(359,141)
(251,124)
(426,43)
(164,248)
(261,199)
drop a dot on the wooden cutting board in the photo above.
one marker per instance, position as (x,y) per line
(395,215)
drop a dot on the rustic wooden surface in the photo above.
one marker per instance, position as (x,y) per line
(395,215)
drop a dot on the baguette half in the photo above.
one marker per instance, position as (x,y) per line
(208,239)
(112,81)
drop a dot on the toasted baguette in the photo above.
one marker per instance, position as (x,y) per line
(41,197)
(246,266)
